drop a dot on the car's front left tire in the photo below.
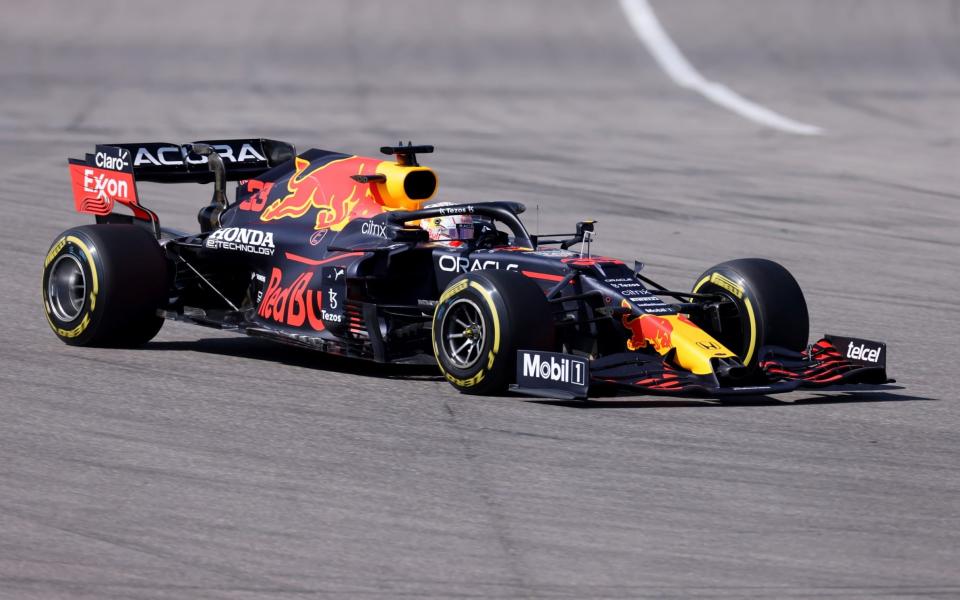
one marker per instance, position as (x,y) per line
(102,285)
(480,322)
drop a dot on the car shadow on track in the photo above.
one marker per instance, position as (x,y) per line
(840,395)
(266,350)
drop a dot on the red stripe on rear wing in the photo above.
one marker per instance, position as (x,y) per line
(104,179)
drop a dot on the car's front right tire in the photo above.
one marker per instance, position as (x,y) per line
(103,284)
(763,306)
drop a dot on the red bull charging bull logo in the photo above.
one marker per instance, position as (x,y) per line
(647,329)
(330,190)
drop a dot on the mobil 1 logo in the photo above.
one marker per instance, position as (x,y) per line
(552,373)
(861,352)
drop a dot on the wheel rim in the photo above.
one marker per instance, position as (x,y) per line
(67,288)
(463,333)
(734,328)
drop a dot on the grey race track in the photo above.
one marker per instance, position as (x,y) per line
(211,466)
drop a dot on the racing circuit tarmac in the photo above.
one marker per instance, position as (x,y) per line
(212,466)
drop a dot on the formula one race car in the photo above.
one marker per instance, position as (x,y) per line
(344,254)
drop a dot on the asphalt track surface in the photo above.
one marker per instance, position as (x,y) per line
(211,466)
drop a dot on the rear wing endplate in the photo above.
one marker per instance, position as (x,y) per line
(110,174)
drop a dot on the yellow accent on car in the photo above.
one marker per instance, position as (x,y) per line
(94,290)
(93,269)
(493,310)
(72,333)
(694,346)
(753,331)
(406,187)
(453,289)
(727,284)
(470,382)
(57,247)
(739,292)
(447,294)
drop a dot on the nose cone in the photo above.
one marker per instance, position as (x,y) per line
(729,368)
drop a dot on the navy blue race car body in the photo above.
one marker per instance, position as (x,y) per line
(345,254)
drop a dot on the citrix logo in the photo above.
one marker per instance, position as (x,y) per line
(375,229)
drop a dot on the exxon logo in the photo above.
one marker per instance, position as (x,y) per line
(564,370)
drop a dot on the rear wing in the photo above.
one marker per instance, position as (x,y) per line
(109,175)
(172,163)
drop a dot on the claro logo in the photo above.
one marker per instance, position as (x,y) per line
(116,163)
(564,370)
(452,263)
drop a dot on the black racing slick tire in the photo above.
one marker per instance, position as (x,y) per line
(765,307)
(103,284)
(480,322)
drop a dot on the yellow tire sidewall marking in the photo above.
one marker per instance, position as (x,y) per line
(55,251)
(741,294)
(495,321)
(493,311)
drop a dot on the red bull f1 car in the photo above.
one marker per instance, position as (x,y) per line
(347,254)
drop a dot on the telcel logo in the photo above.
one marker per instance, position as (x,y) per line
(563,370)
(863,352)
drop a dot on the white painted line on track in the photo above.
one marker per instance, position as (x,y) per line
(658,42)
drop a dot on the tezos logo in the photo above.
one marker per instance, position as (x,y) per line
(253,241)
(455,210)
(863,352)
(333,303)
(564,370)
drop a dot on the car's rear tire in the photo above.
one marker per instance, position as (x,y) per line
(766,307)
(103,284)
(480,322)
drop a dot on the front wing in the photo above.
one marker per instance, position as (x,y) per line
(831,361)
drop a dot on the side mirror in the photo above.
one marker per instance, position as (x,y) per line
(584,234)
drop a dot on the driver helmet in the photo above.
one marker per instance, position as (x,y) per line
(450,228)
